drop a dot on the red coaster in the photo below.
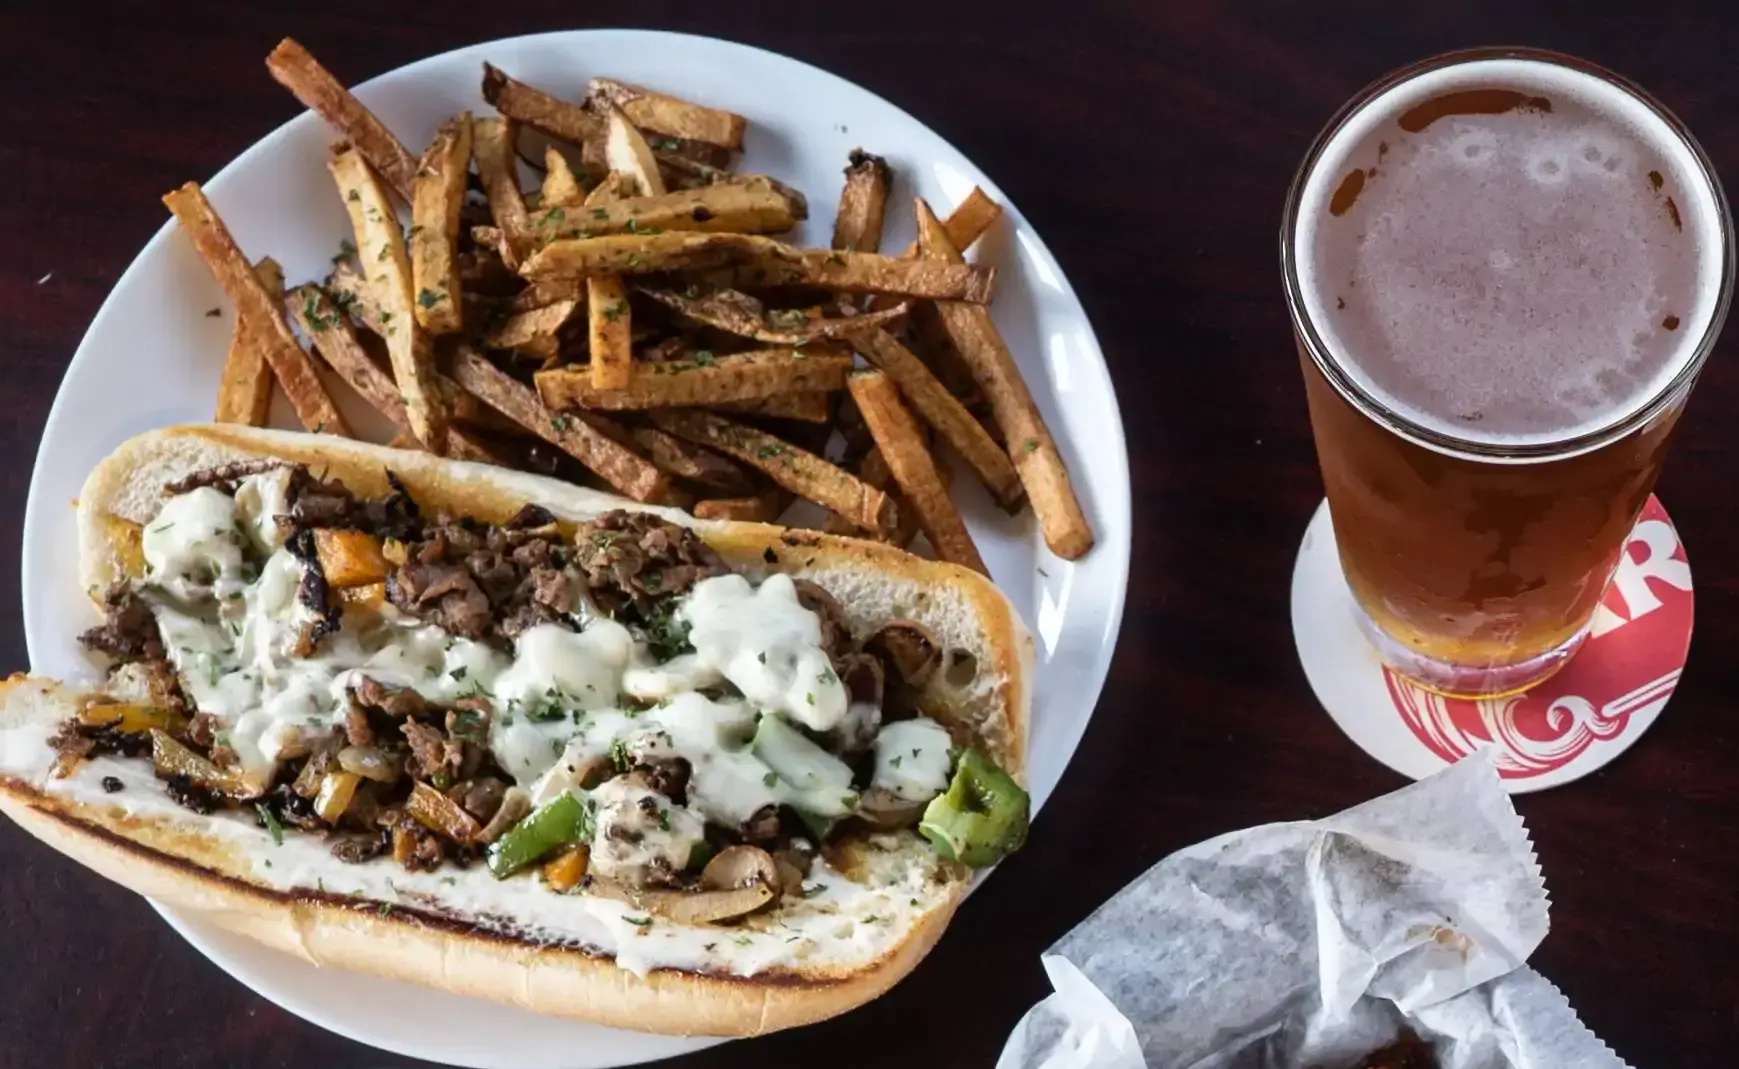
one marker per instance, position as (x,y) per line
(1563,729)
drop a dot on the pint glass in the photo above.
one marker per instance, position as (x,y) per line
(1504,269)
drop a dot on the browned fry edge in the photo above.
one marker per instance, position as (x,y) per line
(296,69)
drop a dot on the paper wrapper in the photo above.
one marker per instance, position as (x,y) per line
(1306,945)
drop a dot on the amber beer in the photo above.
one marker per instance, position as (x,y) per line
(1504,269)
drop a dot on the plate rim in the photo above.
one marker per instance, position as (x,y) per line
(1118,543)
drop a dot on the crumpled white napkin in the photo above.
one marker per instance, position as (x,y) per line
(1293,946)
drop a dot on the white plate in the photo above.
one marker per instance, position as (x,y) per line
(152,357)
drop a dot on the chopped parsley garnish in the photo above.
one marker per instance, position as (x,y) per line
(458,673)
(770,779)
(613,312)
(704,358)
(810,890)
(639,922)
(895,760)
(810,697)
(666,633)
(429,298)
(1030,444)
(600,213)
(353,195)
(561,421)
(346,251)
(550,707)
(619,756)
(270,820)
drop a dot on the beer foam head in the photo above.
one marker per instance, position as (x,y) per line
(1509,251)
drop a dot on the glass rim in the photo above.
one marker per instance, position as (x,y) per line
(1371,406)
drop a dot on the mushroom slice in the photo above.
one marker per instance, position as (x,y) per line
(911,655)
(688,907)
(740,866)
(883,809)
(515,806)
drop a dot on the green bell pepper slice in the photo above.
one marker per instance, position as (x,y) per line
(982,816)
(552,825)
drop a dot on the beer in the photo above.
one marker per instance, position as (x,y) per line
(1504,269)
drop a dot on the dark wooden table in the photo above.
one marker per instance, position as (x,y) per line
(1151,144)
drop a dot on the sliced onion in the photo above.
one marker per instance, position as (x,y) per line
(369,763)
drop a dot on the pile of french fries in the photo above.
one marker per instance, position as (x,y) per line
(630,323)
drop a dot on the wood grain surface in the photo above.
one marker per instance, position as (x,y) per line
(1151,144)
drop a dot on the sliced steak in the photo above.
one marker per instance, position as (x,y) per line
(637,558)
(432,753)
(225,477)
(128,631)
(398,702)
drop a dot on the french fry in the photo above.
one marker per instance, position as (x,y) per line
(715,380)
(965,224)
(862,203)
(520,102)
(681,172)
(941,410)
(628,155)
(735,312)
(380,249)
(609,319)
(873,470)
(244,390)
(351,293)
(1030,445)
(300,73)
(621,467)
(498,170)
(260,313)
(670,115)
(560,189)
(335,340)
(690,461)
(764,507)
(543,294)
(532,333)
(437,195)
(797,470)
(751,207)
(810,406)
(901,445)
(760,261)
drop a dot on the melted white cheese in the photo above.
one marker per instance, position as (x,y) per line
(912,759)
(194,547)
(260,500)
(769,645)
